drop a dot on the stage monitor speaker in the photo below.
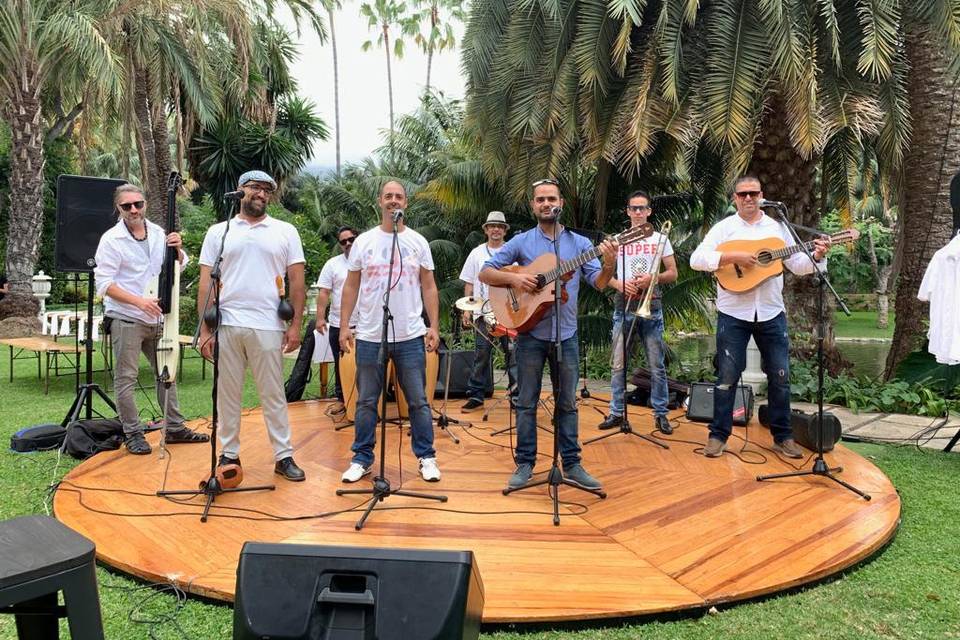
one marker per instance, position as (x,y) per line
(461,366)
(301,592)
(84,212)
(804,426)
(700,407)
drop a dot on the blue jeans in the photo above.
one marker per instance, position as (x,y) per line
(532,353)
(410,362)
(476,387)
(650,332)
(774,345)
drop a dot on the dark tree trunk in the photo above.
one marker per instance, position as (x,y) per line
(145,139)
(932,159)
(26,190)
(787,177)
(161,146)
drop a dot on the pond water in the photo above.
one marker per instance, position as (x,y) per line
(868,358)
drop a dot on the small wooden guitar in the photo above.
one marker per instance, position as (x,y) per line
(521,311)
(769,253)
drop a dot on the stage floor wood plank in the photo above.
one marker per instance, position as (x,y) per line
(676,531)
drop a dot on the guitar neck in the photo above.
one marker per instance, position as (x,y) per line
(786,252)
(566,266)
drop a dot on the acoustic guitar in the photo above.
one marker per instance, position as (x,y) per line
(521,311)
(769,253)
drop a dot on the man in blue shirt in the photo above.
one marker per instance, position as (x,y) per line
(533,348)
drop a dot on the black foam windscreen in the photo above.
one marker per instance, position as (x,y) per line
(301,592)
(84,212)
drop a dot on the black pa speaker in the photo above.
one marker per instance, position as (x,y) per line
(301,592)
(461,366)
(804,426)
(84,212)
(700,408)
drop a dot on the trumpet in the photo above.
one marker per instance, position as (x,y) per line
(643,311)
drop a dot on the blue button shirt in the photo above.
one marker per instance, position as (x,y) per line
(526,247)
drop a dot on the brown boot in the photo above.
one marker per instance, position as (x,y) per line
(788,448)
(714,448)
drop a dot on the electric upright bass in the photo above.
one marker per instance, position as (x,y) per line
(168,342)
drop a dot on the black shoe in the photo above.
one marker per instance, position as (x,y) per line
(610,422)
(289,470)
(663,425)
(471,404)
(225,460)
(185,435)
(137,444)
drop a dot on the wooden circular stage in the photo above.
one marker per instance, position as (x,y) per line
(676,531)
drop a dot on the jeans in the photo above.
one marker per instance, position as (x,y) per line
(774,345)
(651,333)
(531,354)
(333,335)
(481,361)
(410,361)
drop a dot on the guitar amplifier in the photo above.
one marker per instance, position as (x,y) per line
(700,406)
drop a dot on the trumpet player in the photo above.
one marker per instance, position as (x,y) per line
(634,264)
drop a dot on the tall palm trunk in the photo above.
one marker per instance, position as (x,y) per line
(386,48)
(336,85)
(145,140)
(789,178)
(26,189)
(434,18)
(932,159)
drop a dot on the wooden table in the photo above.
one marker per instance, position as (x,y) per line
(38,345)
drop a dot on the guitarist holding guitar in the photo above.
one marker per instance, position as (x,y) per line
(750,246)
(522,297)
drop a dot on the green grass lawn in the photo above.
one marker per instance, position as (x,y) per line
(911,590)
(860,324)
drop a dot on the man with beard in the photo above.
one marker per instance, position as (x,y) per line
(408,338)
(129,257)
(331,280)
(257,250)
(535,348)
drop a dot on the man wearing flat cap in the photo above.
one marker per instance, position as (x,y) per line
(257,252)
(495,228)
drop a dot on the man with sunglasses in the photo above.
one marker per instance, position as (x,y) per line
(129,257)
(759,313)
(534,348)
(332,277)
(632,285)
(495,228)
(258,250)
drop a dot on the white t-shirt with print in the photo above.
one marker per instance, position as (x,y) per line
(639,256)
(472,268)
(370,256)
(332,276)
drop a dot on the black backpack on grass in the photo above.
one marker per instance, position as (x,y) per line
(86,438)
(302,369)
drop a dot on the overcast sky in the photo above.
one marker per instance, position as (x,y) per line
(364,104)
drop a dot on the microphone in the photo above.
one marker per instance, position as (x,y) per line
(770,203)
(556,211)
(397,215)
(233,195)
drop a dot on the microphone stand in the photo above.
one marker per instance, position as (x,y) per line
(211,487)
(626,335)
(443,420)
(820,467)
(555,479)
(381,489)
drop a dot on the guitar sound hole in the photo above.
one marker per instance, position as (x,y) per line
(764,257)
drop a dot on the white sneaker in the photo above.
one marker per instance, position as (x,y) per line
(354,472)
(429,470)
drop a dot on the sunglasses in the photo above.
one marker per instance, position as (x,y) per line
(744,194)
(545,181)
(638,207)
(129,206)
(347,241)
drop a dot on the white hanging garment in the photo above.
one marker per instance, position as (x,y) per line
(941,287)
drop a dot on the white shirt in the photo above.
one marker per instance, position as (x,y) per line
(254,256)
(120,261)
(766,300)
(332,276)
(940,287)
(639,256)
(370,256)
(472,268)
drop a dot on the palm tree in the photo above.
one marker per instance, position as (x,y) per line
(383,15)
(439,34)
(48,49)
(330,5)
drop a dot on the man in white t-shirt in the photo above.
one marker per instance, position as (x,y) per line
(495,228)
(368,281)
(758,312)
(332,276)
(257,252)
(638,258)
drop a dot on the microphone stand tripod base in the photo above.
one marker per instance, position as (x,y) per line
(821,469)
(444,421)
(626,428)
(554,480)
(211,488)
(379,492)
